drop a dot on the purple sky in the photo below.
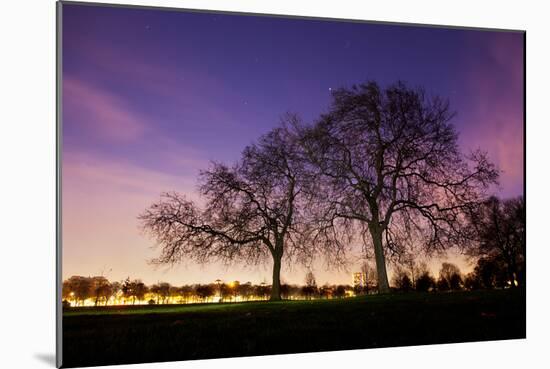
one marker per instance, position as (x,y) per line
(150,96)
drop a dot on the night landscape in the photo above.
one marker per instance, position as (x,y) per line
(240,185)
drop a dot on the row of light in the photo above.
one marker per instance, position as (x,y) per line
(120,300)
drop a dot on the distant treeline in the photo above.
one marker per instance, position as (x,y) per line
(96,291)
(489,273)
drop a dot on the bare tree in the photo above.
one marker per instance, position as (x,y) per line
(134,289)
(370,279)
(310,279)
(204,291)
(253,210)
(245,290)
(66,291)
(310,288)
(450,277)
(499,229)
(186,292)
(424,281)
(116,288)
(491,272)
(391,164)
(78,288)
(164,291)
(401,280)
(412,266)
(154,290)
(139,290)
(100,289)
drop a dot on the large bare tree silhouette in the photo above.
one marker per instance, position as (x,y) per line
(391,163)
(253,209)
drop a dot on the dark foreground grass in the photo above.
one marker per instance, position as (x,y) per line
(112,335)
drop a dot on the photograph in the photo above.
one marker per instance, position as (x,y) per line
(238,184)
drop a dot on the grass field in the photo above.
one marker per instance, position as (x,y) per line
(120,335)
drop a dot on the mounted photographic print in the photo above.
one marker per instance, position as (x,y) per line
(240,184)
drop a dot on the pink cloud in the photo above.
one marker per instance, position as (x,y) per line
(100,113)
(100,176)
(188,87)
(495,122)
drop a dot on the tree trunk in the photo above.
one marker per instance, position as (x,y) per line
(276,283)
(382,274)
